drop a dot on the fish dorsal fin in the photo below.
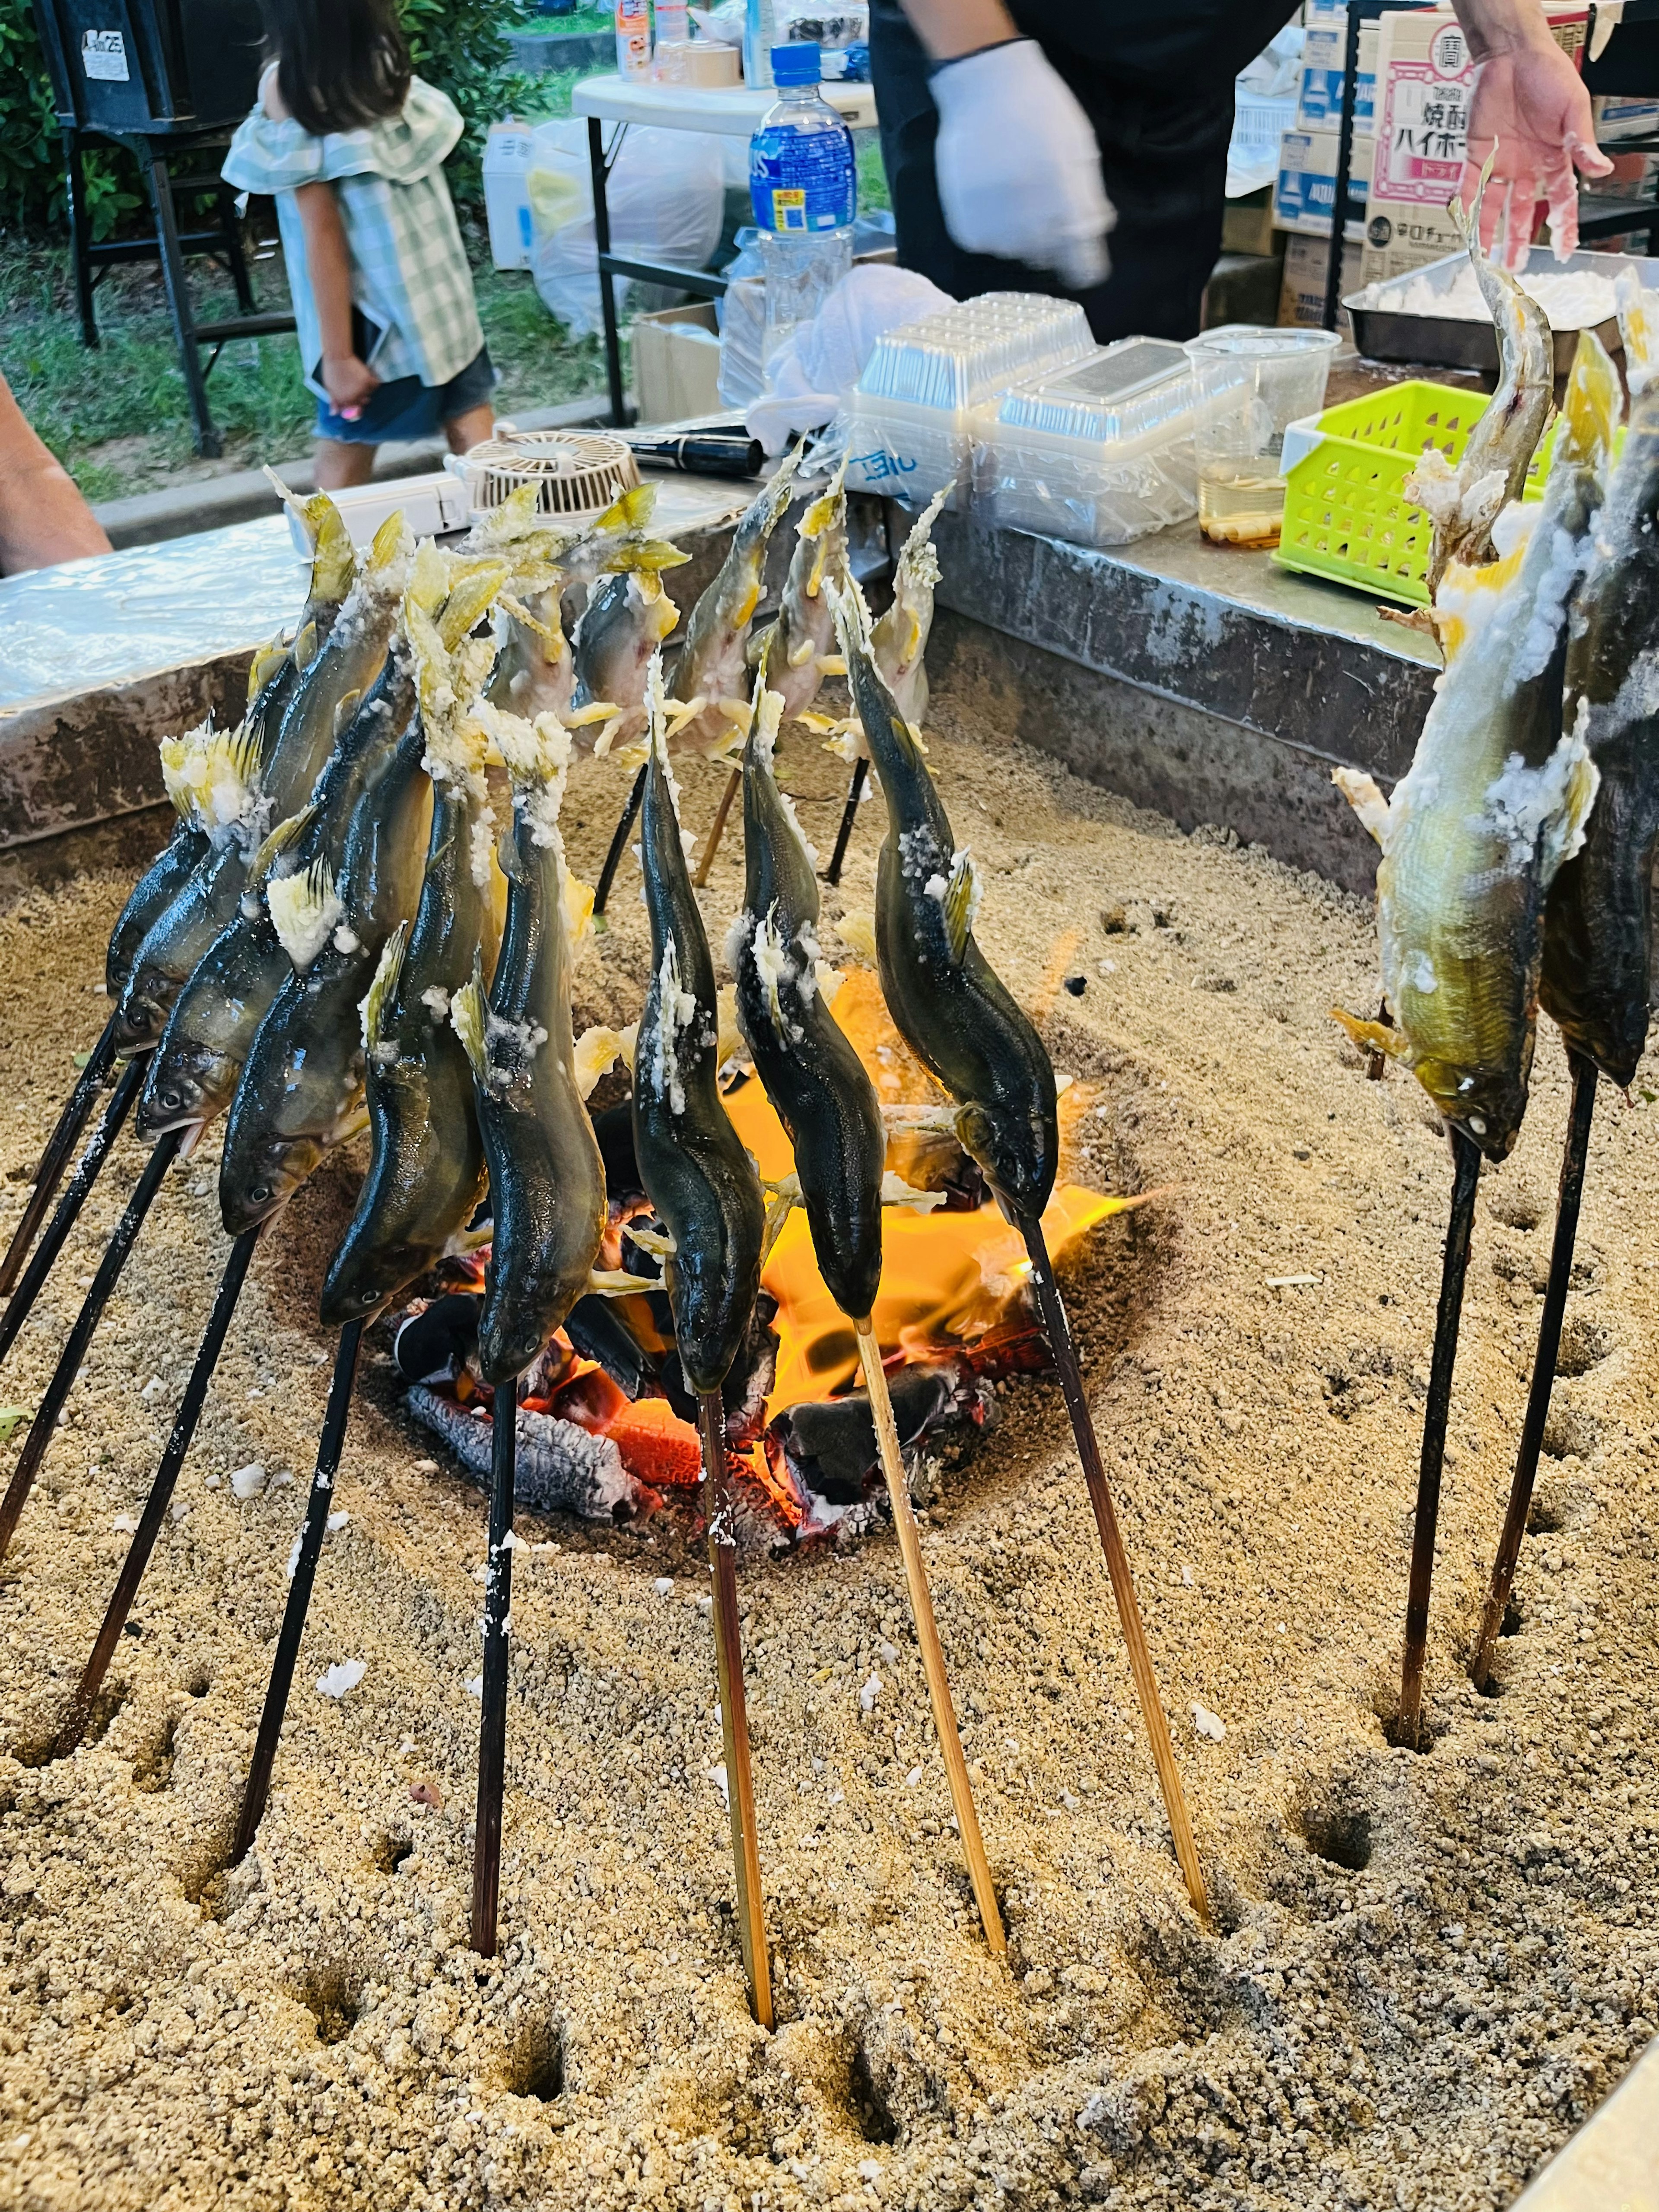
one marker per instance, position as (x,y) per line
(264,666)
(306,647)
(281,838)
(304,909)
(962,894)
(551,633)
(1589,414)
(382,989)
(469,1017)
(632,511)
(345,707)
(470,597)
(646,557)
(210,775)
(577,900)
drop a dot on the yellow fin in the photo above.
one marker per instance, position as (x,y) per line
(961,902)
(857,931)
(429,576)
(345,707)
(632,511)
(598,1050)
(304,909)
(382,989)
(469,601)
(387,542)
(277,844)
(578,906)
(469,1017)
(264,666)
(1589,415)
(1375,1036)
(306,647)
(647,556)
(616,1283)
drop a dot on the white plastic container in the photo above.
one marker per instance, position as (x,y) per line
(911,425)
(1101,452)
(506,195)
(430,505)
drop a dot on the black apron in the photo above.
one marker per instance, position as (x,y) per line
(1157,82)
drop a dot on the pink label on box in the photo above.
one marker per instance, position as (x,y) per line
(1425,123)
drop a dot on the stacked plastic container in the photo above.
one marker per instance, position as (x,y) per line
(911,417)
(1100,452)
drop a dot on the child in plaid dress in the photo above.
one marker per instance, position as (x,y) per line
(351,145)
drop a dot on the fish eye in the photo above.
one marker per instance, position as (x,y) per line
(368,1297)
(260,1194)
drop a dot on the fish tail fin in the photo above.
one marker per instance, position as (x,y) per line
(333,558)
(962,893)
(633,510)
(647,556)
(1591,409)
(578,906)
(598,1050)
(381,990)
(1638,325)
(1367,801)
(469,1017)
(429,577)
(1373,1037)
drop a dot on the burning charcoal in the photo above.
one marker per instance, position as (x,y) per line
(830,1448)
(599,1332)
(561,1468)
(438,1338)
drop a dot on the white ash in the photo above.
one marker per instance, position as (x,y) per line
(561,1467)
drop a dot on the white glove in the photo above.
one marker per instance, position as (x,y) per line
(1018,165)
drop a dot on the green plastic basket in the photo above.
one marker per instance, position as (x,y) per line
(1345,515)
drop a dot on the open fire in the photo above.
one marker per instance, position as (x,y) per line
(607,1429)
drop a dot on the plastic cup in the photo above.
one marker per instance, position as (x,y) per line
(1250,384)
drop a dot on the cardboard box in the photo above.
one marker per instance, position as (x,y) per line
(1247,225)
(1302,287)
(1618,116)
(1307,180)
(677,363)
(1324,50)
(507,193)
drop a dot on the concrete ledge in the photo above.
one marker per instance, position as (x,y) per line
(1611,2164)
(209,502)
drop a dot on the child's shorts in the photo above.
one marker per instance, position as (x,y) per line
(406,408)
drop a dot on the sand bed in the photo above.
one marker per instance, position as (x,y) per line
(1427,1968)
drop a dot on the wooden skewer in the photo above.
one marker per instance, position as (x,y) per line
(44,1426)
(1466,1179)
(110,1122)
(1058,1331)
(734,1716)
(734,786)
(161,1495)
(492,1725)
(932,1654)
(1573,1158)
(54,1159)
(848,817)
(618,844)
(329,1446)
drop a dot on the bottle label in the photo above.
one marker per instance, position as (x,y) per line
(802,181)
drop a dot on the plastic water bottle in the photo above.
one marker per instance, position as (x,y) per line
(803,179)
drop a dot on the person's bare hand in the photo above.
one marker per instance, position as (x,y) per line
(1531,115)
(349,383)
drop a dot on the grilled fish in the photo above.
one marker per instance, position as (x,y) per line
(814,1079)
(800,646)
(899,641)
(627,618)
(712,709)
(701,1181)
(1497,798)
(546,1179)
(1598,977)
(279,768)
(426,1172)
(948,1003)
(1462,503)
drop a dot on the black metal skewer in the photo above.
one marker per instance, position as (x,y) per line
(161,1495)
(619,842)
(734,1712)
(492,1726)
(1058,1330)
(849,815)
(110,1122)
(54,1159)
(1466,1180)
(330,1444)
(1574,1154)
(44,1426)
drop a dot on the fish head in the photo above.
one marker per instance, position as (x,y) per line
(1017,1150)
(364,1277)
(187,1084)
(254,1189)
(142,1015)
(1485,1102)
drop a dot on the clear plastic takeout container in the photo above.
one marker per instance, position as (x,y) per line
(1099,453)
(910,431)
(1251,383)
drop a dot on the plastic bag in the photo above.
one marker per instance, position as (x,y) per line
(666,197)
(821,361)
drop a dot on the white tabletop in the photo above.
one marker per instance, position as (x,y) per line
(729,111)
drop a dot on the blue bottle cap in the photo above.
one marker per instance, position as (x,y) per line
(798,63)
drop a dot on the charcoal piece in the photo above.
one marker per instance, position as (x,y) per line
(614,1127)
(561,1467)
(830,1447)
(438,1339)
(596,1328)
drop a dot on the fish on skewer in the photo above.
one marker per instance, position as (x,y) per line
(1497,797)
(711,709)
(1462,503)
(627,618)
(271,775)
(199,1060)
(703,1186)
(800,645)
(828,1105)
(1596,980)
(962,1022)
(547,1191)
(301,1086)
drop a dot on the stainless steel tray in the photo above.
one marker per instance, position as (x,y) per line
(1446,342)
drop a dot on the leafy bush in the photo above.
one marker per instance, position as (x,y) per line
(458,44)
